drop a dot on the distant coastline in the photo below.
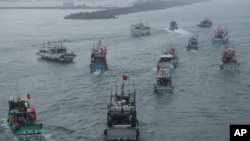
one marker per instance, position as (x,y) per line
(138,7)
(57,7)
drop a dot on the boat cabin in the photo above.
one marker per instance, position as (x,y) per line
(166,58)
(20,112)
(193,41)
(228,56)
(122,108)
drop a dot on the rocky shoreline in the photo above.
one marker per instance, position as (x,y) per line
(138,7)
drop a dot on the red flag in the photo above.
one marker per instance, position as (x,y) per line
(125,77)
(28,96)
(158,67)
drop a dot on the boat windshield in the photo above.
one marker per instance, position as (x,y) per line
(163,81)
(165,59)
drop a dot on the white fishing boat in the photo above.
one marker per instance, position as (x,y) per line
(163,82)
(140,29)
(168,59)
(56,52)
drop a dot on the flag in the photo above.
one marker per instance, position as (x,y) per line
(28,96)
(125,77)
(158,67)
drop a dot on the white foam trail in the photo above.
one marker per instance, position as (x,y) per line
(48,137)
(179,30)
(97,73)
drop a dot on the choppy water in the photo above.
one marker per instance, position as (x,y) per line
(71,102)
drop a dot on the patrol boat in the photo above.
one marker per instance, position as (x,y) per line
(122,123)
(163,83)
(98,58)
(140,29)
(168,59)
(205,23)
(193,43)
(56,52)
(228,59)
(221,36)
(173,25)
(22,117)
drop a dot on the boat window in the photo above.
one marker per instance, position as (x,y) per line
(165,59)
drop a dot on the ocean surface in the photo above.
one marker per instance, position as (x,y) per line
(71,102)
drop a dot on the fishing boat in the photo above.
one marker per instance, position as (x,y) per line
(56,52)
(163,83)
(140,29)
(22,117)
(192,43)
(98,58)
(205,23)
(228,59)
(221,36)
(168,59)
(122,123)
(173,25)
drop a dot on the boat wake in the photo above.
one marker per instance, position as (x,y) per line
(4,123)
(42,137)
(179,30)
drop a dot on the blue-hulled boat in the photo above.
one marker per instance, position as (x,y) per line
(98,58)
(193,43)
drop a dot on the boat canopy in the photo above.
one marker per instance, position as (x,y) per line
(166,56)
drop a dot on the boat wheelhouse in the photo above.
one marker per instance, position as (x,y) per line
(193,43)
(205,23)
(56,52)
(163,83)
(98,58)
(173,25)
(228,59)
(221,36)
(22,117)
(140,29)
(168,59)
(122,123)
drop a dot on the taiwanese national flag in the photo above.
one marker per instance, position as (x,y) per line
(125,77)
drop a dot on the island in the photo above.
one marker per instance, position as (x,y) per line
(137,7)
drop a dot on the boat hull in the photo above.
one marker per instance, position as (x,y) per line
(98,67)
(163,89)
(220,41)
(135,32)
(69,57)
(25,129)
(230,66)
(128,133)
(192,47)
(204,26)
(173,28)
